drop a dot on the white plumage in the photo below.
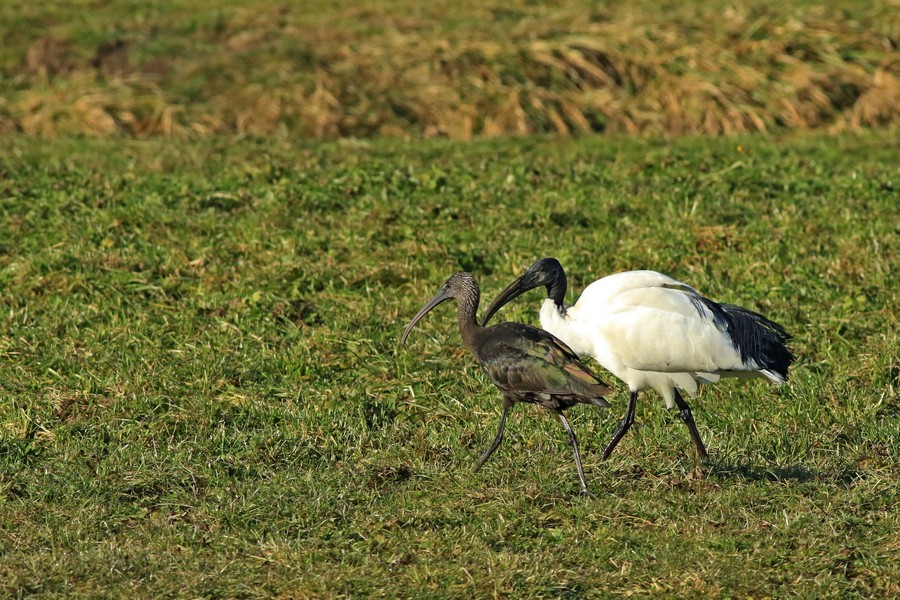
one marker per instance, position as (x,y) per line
(655,332)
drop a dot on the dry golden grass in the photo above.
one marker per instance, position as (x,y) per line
(406,70)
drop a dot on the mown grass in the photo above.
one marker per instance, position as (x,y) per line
(202,393)
(440,68)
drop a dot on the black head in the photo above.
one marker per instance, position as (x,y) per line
(546,272)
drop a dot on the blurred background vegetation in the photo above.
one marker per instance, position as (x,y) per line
(440,68)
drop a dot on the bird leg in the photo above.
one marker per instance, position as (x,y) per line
(688,419)
(574,441)
(507,404)
(624,424)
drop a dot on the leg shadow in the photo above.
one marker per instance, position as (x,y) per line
(797,473)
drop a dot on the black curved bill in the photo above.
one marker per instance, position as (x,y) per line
(518,287)
(440,297)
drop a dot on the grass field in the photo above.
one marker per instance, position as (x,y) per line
(202,392)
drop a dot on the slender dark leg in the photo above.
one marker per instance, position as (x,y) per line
(574,441)
(688,419)
(624,424)
(507,404)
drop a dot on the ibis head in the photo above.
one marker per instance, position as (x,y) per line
(462,287)
(546,272)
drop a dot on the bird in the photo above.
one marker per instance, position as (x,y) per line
(525,363)
(654,332)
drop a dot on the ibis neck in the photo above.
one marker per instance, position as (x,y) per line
(467,306)
(557,292)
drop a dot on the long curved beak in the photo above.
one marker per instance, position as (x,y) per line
(440,297)
(518,287)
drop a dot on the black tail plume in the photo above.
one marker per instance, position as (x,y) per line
(761,342)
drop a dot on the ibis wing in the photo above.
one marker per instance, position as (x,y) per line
(611,288)
(531,359)
(556,352)
(521,373)
(669,330)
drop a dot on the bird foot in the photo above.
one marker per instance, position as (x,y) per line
(586,492)
(700,471)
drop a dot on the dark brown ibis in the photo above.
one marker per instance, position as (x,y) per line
(526,364)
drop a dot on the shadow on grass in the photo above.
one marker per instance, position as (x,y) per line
(797,473)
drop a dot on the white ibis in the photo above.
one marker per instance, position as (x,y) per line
(655,332)
(525,363)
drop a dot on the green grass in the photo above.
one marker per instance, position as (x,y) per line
(202,393)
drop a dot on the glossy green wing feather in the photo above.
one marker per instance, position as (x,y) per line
(529,359)
(557,352)
(581,372)
(514,371)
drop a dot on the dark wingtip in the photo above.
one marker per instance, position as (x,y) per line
(758,339)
